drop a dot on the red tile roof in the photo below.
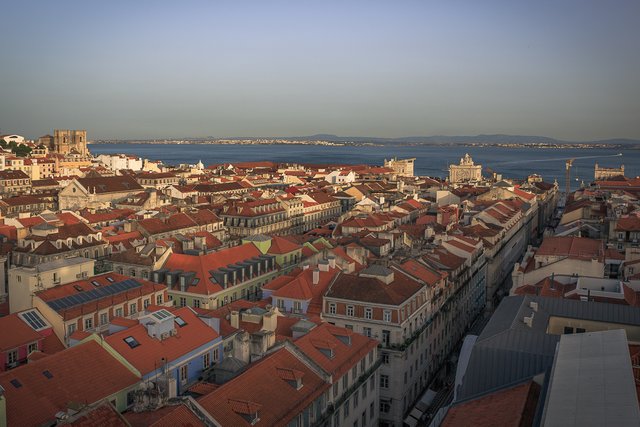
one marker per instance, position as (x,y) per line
(110,184)
(201,265)
(16,332)
(631,223)
(573,247)
(345,356)
(356,288)
(261,389)
(180,416)
(149,355)
(39,398)
(422,272)
(302,288)
(282,246)
(103,415)
(513,407)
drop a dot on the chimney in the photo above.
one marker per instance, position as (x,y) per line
(528,321)
(270,320)
(316,276)
(235,319)
(200,243)
(332,262)
(305,266)
(128,227)
(323,265)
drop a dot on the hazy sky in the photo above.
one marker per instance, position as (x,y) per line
(145,69)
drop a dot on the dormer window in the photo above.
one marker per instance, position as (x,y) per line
(293,377)
(247,410)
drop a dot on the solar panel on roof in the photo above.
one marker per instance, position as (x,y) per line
(34,320)
(94,294)
(161,314)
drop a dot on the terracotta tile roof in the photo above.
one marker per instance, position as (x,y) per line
(261,389)
(124,237)
(51,344)
(202,388)
(524,194)
(573,247)
(30,222)
(13,174)
(104,415)
(611,253)
(302,287)
(631,223)
(16,332)
(282,246)
(22,200)
(513,407)
(443,259)
(182,416)
(110,184)
(422,272)
(148,356)
(110,215)
(202,265)
(38,398)
(345,356)
(368,289)
(546,288)
(278,282)
(461,246)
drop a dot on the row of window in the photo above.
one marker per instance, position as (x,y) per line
(368,312)
(12,356)
(360,393)
(118,312)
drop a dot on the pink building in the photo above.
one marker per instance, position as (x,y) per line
(30,332)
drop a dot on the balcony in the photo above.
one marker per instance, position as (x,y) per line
(331,407)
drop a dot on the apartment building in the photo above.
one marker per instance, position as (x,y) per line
(25,281)
(218,278)
(49,242)
(394,307)
(89,305)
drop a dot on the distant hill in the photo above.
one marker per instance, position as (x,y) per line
(446,140)
(495,139)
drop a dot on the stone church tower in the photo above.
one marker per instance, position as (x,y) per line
(69,142)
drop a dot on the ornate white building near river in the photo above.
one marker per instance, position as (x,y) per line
(465,171)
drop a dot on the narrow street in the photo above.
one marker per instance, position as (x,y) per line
(445,394)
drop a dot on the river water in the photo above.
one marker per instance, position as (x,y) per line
(430,160)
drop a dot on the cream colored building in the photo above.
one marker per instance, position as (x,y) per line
(601,173)
(97,193)
(466,171)
(25,281)
(403,167)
